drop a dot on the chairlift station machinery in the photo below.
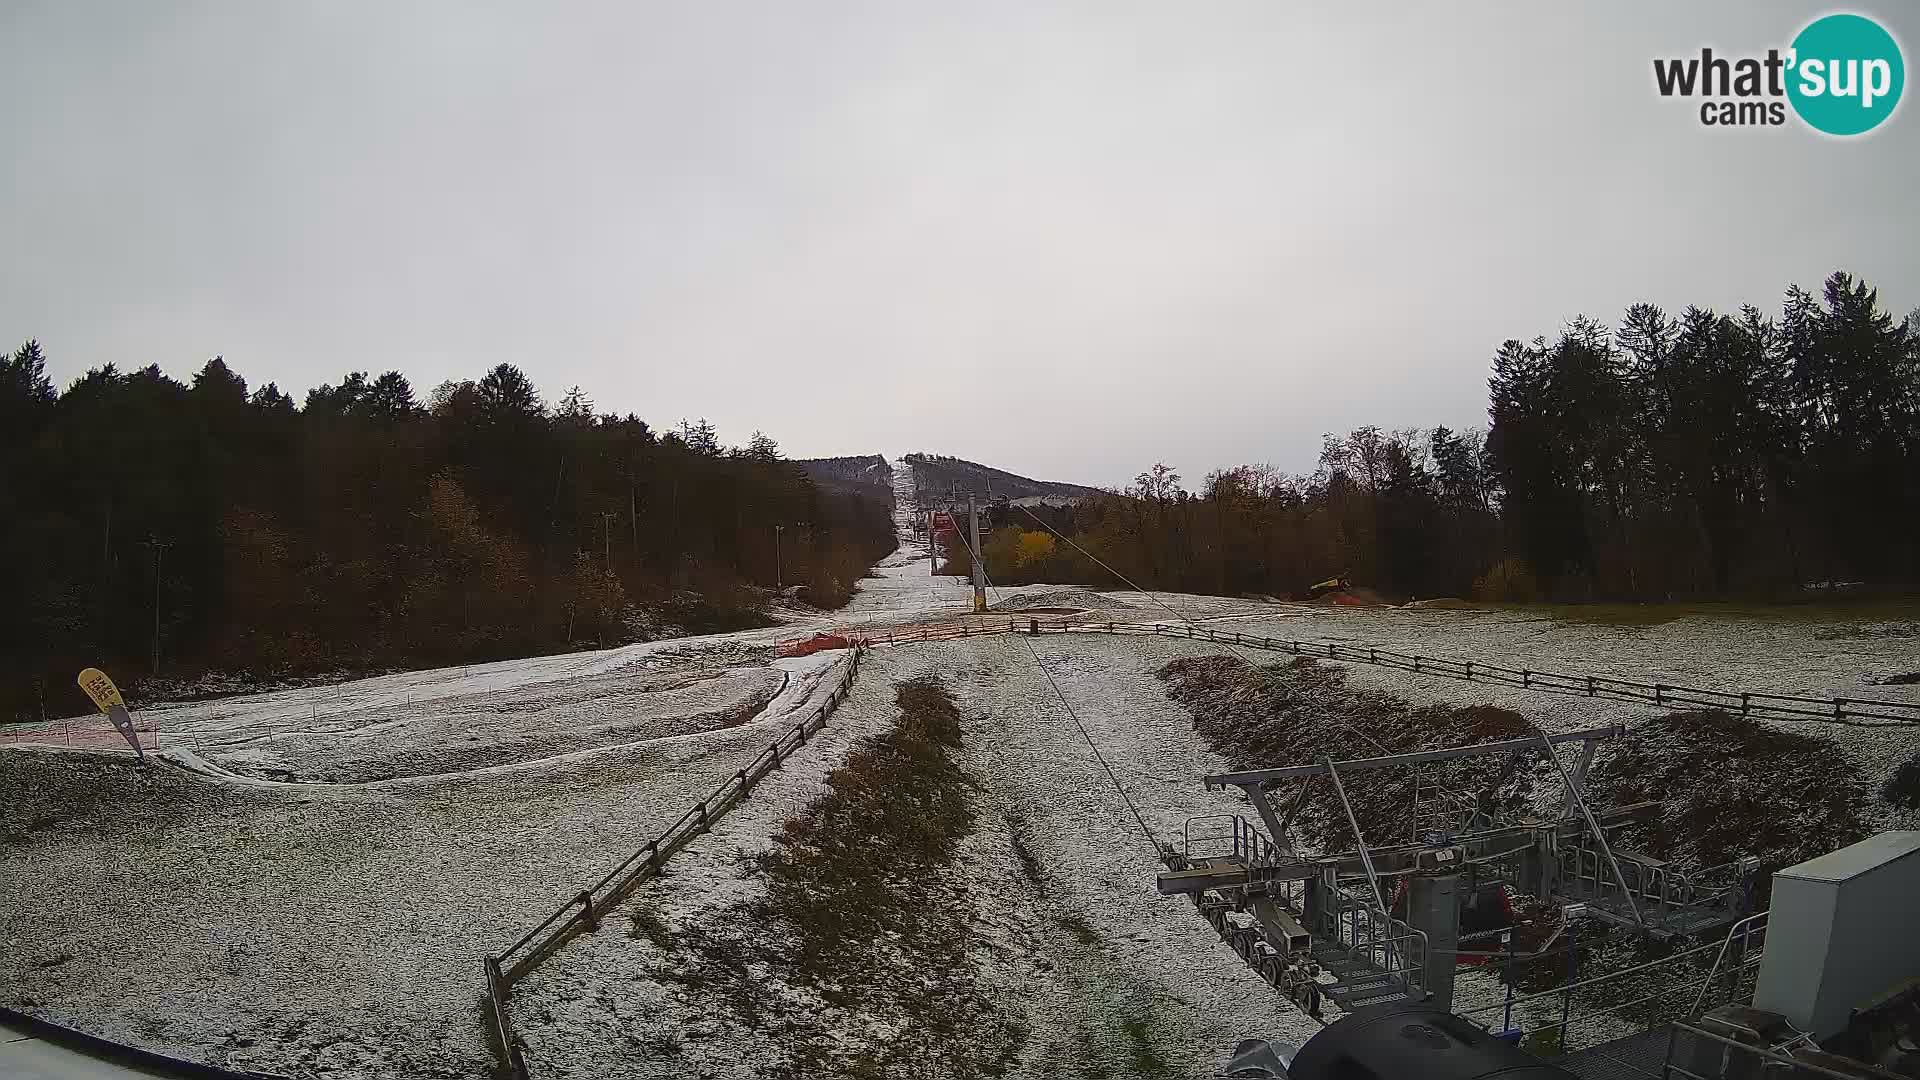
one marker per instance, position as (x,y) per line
(1382,922)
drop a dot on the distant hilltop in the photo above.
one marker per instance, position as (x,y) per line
(937,474)
(866,474)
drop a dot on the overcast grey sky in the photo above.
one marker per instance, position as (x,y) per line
(1196,232)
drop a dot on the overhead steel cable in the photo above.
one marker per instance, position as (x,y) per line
(1178,614)
(1146,830)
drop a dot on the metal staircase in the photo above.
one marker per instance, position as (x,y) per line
(1316,939)
(1372,956)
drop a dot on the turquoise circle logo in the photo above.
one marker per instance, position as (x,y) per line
(1846,74)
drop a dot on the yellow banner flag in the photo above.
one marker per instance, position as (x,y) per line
(100,689)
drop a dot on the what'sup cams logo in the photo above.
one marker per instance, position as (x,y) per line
(1842,75)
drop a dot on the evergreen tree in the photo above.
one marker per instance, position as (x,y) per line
(762,448)
(390,397)
(26,394)
(506,395)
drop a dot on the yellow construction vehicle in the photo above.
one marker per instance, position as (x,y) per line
(1339,583)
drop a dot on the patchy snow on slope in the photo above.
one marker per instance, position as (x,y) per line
(320,929)
(1754,655)
(315,900)
(904,581)
(1072,942)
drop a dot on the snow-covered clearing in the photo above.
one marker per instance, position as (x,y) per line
(309,885)
(318,929)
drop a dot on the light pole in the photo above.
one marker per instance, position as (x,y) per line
(158,547)
(777,582)
(979,564)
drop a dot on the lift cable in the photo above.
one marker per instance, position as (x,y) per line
(1178,614)
(1145,830)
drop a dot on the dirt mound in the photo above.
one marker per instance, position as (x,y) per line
(1058,598)
(1351,598)
(1300,712)
(1902,789)
(1733,788)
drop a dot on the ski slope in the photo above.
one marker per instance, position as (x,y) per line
(305,883)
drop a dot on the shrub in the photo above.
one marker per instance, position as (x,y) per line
(1509,581)
(1902,789)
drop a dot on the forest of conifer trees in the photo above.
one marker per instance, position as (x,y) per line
(1690,456)
(1697,455)
(365,529)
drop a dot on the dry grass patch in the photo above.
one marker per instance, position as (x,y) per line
(860,960)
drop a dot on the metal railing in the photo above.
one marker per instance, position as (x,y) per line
(1665,888)
(1600,1017)
(583,912)
(1368,933)
(1715,1056)
(1357,928)
(1853,712)
(1242,840)
(1666,979)
(1740,953)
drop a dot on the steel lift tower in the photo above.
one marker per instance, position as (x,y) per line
(1381,922)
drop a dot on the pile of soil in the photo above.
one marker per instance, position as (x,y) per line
(1299,712)
(1733,788)
(1351,598)
(1077,599)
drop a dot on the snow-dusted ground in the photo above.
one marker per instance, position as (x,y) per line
(1131,956)
(1787,657)
(318,929)
(904,582)
(315,899)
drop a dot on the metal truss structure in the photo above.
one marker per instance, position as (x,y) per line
(1381,922)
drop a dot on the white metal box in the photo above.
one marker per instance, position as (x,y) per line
(1844,928)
